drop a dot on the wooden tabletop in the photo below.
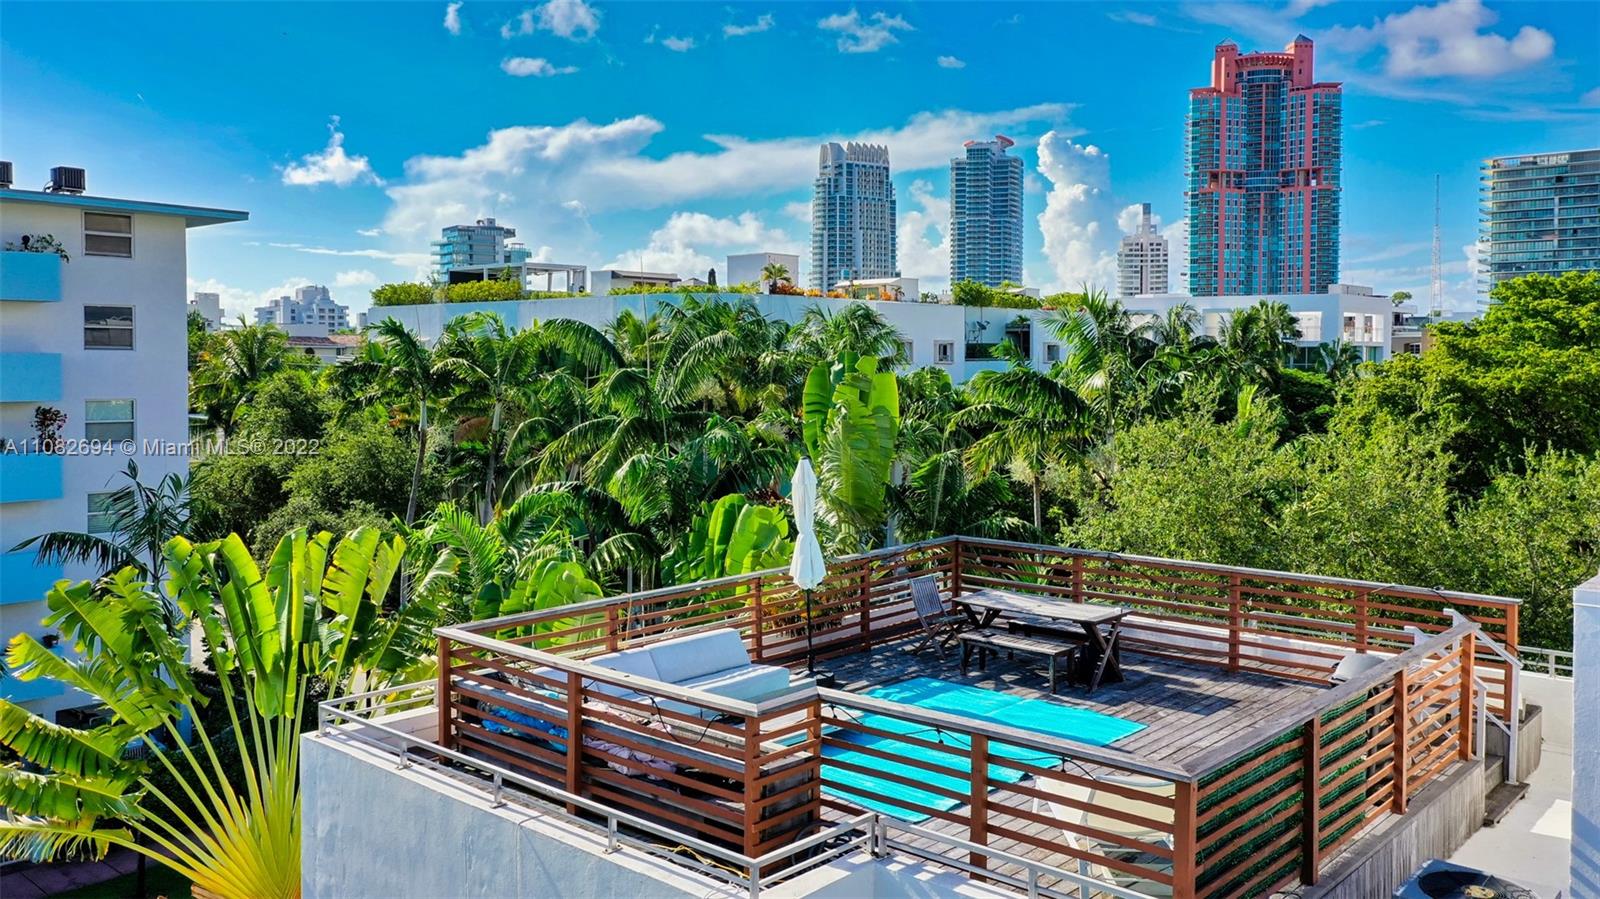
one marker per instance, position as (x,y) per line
(1060,610)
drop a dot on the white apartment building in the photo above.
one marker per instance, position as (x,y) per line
(1142,259)
(745,268)
(1348,312)
(209,305)
(311,305)
(958,339)
(101,337)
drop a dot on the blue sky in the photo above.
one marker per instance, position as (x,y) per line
(668,135)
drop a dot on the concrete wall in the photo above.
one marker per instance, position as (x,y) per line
(1586,740)
(370,829)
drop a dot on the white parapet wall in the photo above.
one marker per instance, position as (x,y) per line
(372,829)
(1586,740)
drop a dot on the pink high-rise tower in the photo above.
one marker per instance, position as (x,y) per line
(1264,160)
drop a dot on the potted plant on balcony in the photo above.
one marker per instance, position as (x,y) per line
(47,423)
(39,243)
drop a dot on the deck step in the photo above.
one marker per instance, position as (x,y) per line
(1500,801)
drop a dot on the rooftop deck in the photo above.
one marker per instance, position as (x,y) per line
(1268,771)
(1187,708)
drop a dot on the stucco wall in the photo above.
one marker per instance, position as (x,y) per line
(1586,740)
(369,829)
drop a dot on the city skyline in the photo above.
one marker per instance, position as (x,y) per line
(624,162)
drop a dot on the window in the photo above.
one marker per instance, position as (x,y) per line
(108,420)
(102,518)
(944,352)
(907,349)
(1052,352)
(108,327)
(105,234)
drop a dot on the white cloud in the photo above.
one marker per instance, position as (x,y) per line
(401,259)
(369,232)
(683,243)
(533,66)
(574,20)
(526,174)
(1446,39)
(1130,17)
(857,35)
(452,18)
(1128,218)
(678,44)
(923,237)
(950,62)
(331,166)
(1591,97)
(359,277)
(799,210)
(763,23)
(1177,235)
(1079,220)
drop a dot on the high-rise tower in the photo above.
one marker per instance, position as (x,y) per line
(852,216)
(1264,175)
(986,214)
(1540,215)
(1142,259)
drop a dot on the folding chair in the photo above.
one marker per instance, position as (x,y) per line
(939,624)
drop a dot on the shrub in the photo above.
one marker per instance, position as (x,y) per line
(403,294)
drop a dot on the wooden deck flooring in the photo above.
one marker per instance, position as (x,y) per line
(1188,709)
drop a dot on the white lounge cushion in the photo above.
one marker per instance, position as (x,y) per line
(747,683)
(683,658)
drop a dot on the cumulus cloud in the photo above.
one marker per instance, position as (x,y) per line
(1448,38)
(369,232)
(528,173)
(359,277)
(533,67)
(684,243)
(951,62)
(923,237)
(574,20)
(762,23)
(799,210)
(1079,221)
(1177,235)
(331,166)
(869,35)
(678,44)
(452,18)
(1591,97)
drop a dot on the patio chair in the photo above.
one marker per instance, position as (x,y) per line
(939,624)
(1096,810)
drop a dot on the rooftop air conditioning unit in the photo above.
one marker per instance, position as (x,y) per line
(67,180)
(5,174)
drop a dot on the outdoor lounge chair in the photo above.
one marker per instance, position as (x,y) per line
(939,624)
(1099,813)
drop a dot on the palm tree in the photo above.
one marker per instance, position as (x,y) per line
(1339,359)
(232,366)
(401,368)
(1103,353)
(1256,340)
(821,335)
(1024,416)
(143,518)
(313,617)
(774,273)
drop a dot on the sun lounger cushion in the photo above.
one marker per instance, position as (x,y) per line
(679,660)
(748,682)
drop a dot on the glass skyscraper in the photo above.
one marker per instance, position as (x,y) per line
(483,243)
(1540,215)
(986,214)
(852,216)
(1264,160)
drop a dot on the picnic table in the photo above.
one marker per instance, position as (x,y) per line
(982,607)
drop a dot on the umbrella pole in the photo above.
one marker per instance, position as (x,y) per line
(811,652)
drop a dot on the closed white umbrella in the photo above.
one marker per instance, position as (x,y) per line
(807,567)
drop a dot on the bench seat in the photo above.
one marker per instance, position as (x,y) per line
(986,639)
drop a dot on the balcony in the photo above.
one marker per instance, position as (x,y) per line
(1253,715)
(29,477)
(30,277)
(30,377)
(22,579)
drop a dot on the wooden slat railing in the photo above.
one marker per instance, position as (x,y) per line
(1240,823)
